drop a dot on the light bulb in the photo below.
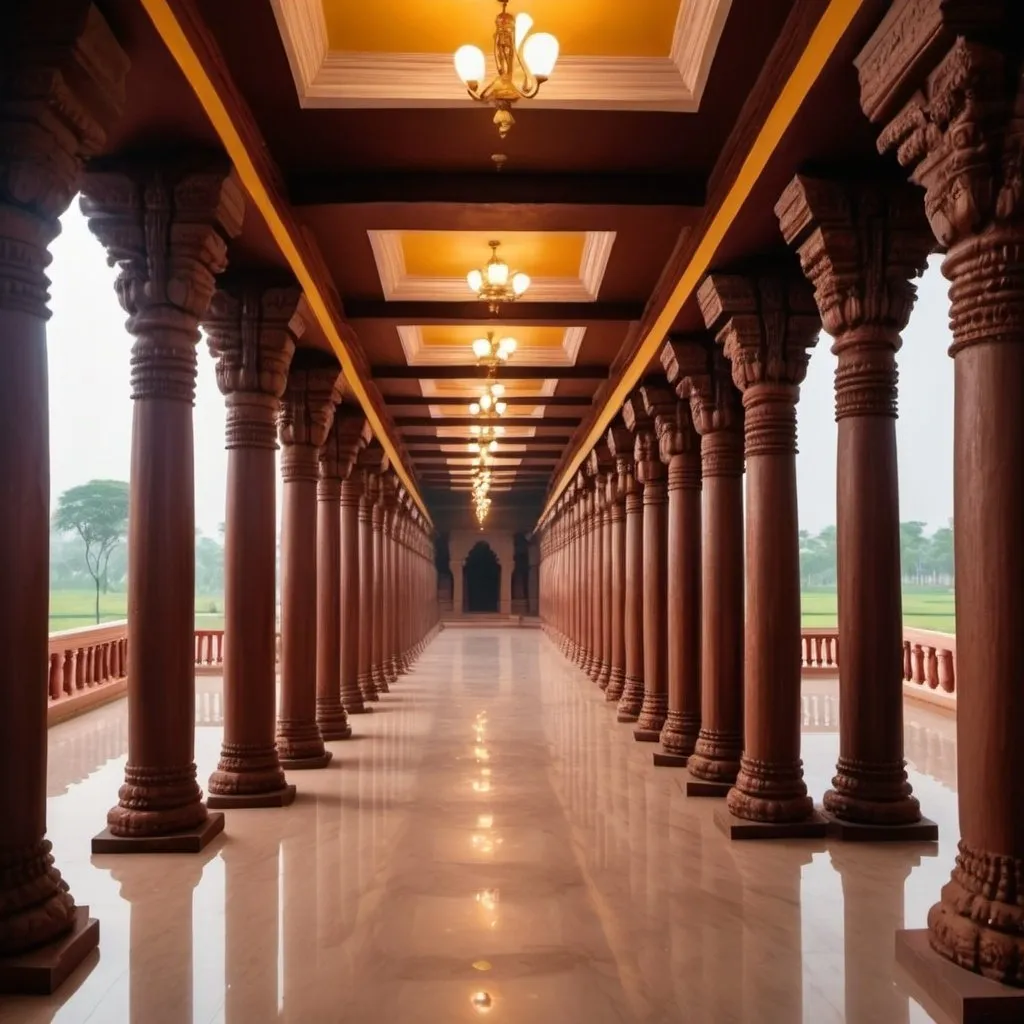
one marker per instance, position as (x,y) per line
(485,401)
(520,282)
(523,25)
(499,430)
(474,429)
(497,273)
(481,348)
(470,64)
(475,280)
(540,52)
(474,446)
(508,344)
(474,409)
(500,407)
(497,390)
(493,446)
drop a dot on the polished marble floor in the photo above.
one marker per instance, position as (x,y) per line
(492,844)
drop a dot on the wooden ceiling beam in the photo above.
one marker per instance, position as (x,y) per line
(518,314)
(467,421)
(504,189)
(473,371)
(426,442)
(573,401)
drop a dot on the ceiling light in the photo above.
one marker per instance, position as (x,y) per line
(524,62)
(495,283)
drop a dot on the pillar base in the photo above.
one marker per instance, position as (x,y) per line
(304,763)
(700,787)
(329,732)
(647,735)
(42,971)
(962,995)
(626,717)
(361,710)
(670,760)
(277,798)
(192,840)
(814,827)
(923,831)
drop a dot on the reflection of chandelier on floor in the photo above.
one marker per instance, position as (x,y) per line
(495,283)
(517,55)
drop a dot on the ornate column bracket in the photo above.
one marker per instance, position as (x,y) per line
(861,246)
(701,374)
(304,423)
(252,328)
(766,324)
(944,83)
(166,227)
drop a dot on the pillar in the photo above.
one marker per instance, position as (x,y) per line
(533,579)
(866,243)
(717,412)
(599,464)
(679,448)
(252,331)
(389,666)
(307,412)
(348,579)
(585,573)
(167,228)
(455,564)
(55,103)
(651,473)
(337,457)
(767,323)
(632,698)
(380,506)
(369,462)
(618,439)
(950,110)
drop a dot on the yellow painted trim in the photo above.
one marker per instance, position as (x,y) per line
(176,41)
(826,36)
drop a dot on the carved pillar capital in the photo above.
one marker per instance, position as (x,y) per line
(766,324)
(305,418)
(945,82)
(349,434)
(252,330)
(166,228)
(640,423)
(63,84)
(861,247)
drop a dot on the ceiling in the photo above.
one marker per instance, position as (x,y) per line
(382,169)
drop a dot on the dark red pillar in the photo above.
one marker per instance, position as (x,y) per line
(307,412)
(168,233)
(945,81)
(63,83)
(252,331)
(767,324)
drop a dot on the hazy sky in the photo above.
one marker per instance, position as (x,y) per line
(90,411)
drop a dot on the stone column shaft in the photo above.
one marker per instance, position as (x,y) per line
(252,331)
(167,230)
(950,108)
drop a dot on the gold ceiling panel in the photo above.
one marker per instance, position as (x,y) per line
(455,253)
(610,28)
(527,337)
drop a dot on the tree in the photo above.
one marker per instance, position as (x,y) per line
(98,513)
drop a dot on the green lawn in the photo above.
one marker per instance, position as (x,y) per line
(923,608)
(71,609)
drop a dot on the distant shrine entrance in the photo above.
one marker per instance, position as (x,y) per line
(482,579)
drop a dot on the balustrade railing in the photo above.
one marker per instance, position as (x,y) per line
(929,661)
(86,667)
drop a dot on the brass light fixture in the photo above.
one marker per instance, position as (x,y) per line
(490,400)
(524,63)
(495,283)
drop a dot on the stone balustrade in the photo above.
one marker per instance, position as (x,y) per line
(929,662)
(87,667)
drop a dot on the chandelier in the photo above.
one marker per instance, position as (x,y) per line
(495,283)
(490,400)
(517,55)
(492,353)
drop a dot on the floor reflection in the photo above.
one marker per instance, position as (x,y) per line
(492,844)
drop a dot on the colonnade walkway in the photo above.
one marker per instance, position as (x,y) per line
(491,844)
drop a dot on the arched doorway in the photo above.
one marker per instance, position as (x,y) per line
(482,575)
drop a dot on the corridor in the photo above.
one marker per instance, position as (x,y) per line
(490,844)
